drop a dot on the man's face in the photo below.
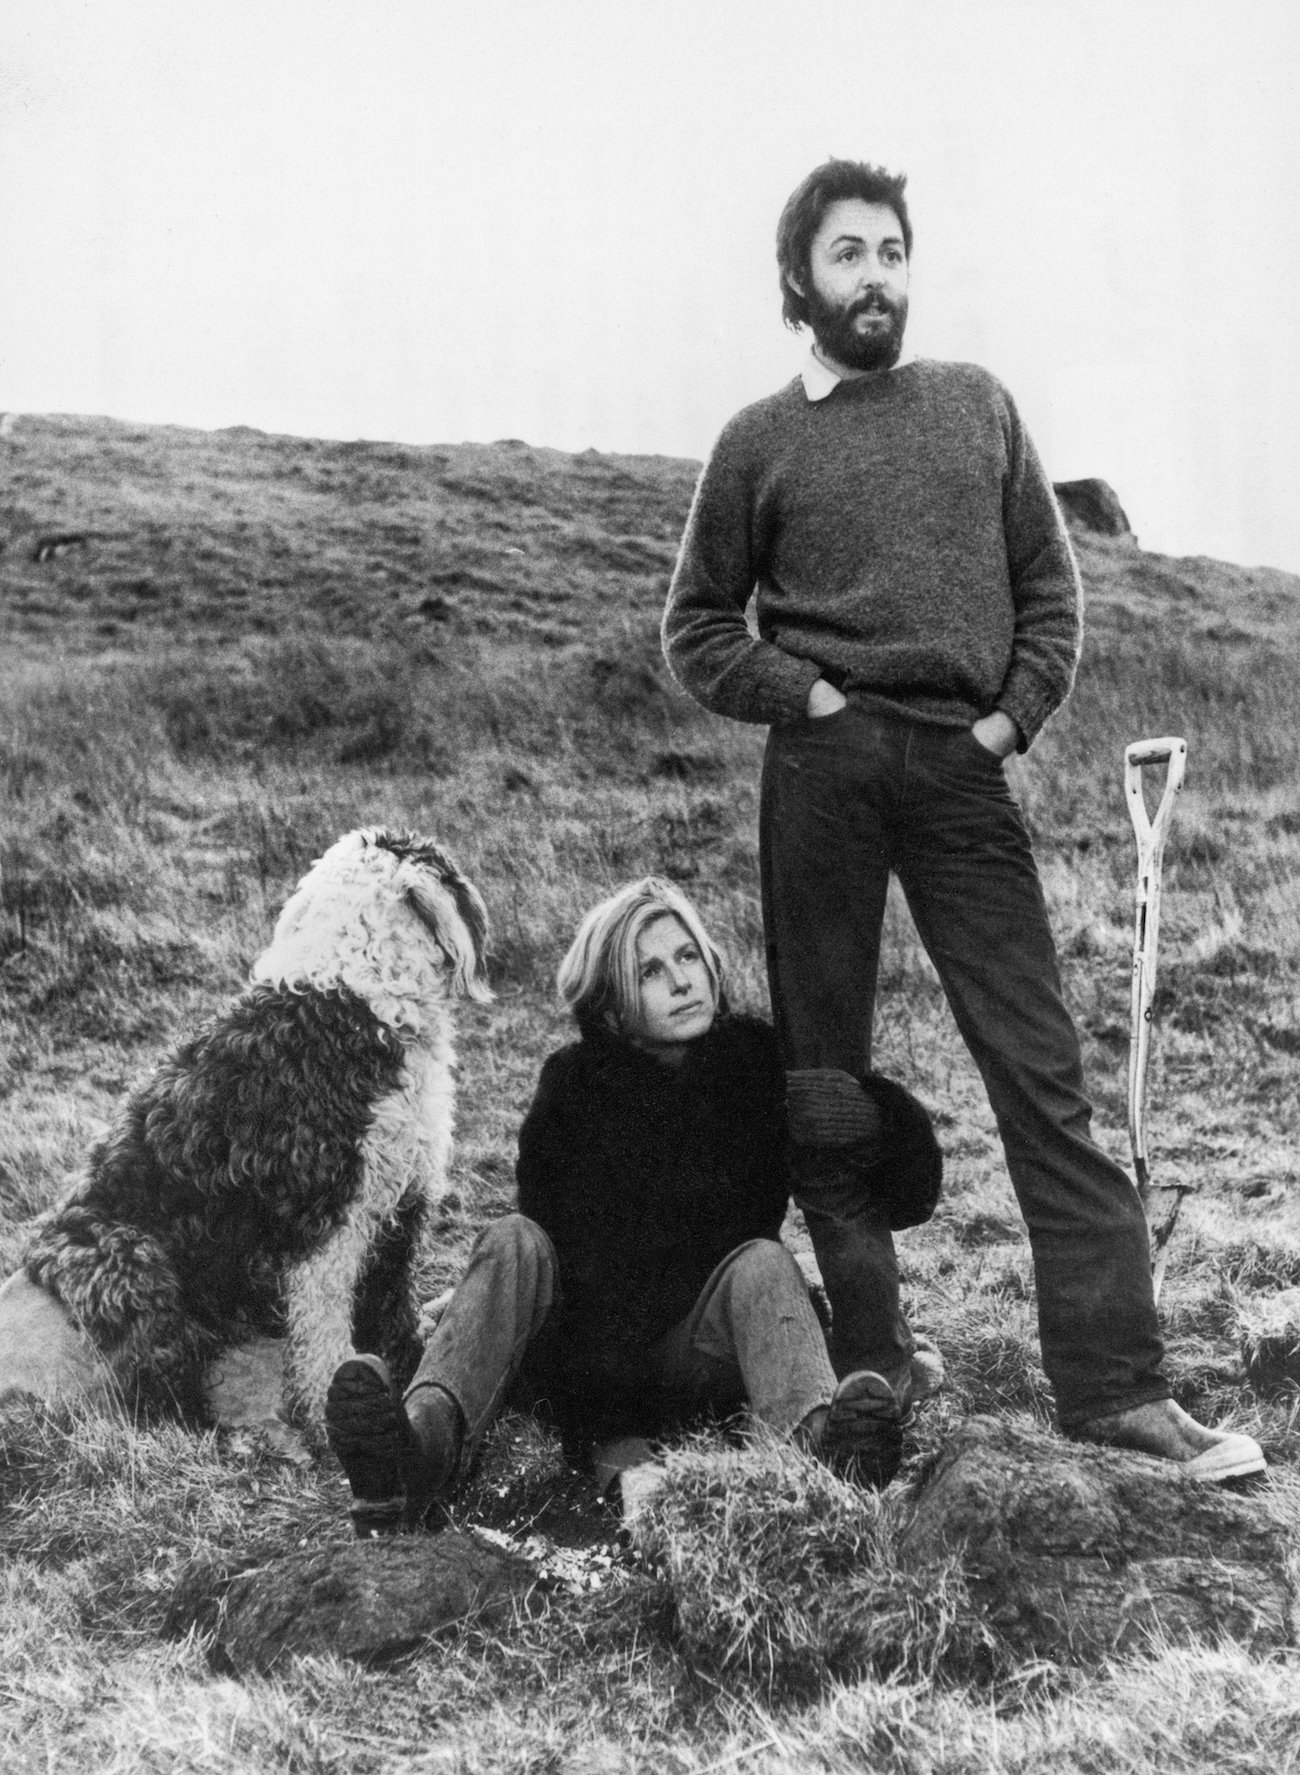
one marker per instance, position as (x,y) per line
(857,288)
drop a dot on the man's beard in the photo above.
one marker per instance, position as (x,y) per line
(838,338)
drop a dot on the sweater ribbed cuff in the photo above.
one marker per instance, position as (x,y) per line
(1029,701)
(786,687)
(827,1107)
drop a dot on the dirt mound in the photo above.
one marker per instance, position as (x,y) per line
(1076,1552)
(371,1601)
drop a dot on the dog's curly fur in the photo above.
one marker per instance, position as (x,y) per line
(274,1174)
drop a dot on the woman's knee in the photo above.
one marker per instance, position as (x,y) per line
(521,1238)
(767,1264)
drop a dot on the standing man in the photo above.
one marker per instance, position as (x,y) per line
(918,613)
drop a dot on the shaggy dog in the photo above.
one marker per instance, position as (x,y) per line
(272,1177)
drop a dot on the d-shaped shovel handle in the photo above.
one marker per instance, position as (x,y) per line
(1151,833)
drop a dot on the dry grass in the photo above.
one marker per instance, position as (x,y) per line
(785,1578)
(264,642)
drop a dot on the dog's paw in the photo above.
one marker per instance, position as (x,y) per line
(274,1440)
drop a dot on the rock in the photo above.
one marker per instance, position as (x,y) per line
(1092,506)
(44,1355)
(49,548)
(370,1600)
(42,1352)
(1270,1340)
(1076,1552)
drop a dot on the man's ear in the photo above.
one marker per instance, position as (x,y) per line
(795,285)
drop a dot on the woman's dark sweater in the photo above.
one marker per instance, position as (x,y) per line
(645,1176)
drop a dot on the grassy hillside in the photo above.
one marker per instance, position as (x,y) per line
(217,652)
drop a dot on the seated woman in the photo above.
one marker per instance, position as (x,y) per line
(643,1284)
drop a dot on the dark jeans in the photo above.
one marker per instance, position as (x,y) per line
(846,800)
(751,1337)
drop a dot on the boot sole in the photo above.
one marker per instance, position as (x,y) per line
(368,1432)
(864,1431)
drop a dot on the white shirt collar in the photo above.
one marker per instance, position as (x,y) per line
(819,379)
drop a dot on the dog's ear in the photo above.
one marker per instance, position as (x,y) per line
(452,911)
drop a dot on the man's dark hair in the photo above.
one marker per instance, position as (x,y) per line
(809,202)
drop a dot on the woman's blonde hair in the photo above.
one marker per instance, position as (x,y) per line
(599,974)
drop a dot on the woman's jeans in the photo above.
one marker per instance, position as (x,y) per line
(847,800)
(751,1337)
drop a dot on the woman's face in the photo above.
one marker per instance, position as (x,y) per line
(675,997)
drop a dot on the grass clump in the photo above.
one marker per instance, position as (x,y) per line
(785,1577)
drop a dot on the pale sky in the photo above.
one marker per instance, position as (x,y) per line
(553,220)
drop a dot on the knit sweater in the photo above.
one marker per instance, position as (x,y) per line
(645,1177)
(904,541)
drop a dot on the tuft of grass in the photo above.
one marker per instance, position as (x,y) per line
(785,1577)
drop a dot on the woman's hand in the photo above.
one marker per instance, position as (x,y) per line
(997,733)
(824,699)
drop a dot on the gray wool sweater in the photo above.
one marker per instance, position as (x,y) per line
(903,540)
